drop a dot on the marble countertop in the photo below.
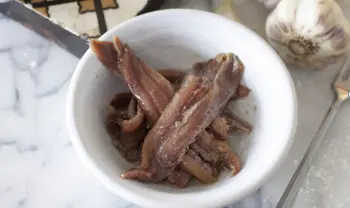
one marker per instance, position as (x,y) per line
(39,167)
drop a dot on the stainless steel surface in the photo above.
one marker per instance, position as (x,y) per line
(342,88)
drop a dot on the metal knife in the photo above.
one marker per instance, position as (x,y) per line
(43,26)
(64,38)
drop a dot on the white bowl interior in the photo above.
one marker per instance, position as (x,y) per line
(177,39)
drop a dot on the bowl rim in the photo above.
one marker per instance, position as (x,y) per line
(145,200)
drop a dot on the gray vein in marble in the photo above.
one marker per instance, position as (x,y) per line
(47,157)
(17,100)
(30,148)
(7,92)
(21,203)
(5,50)
(68,144)
(53,90)
(15,106)
(7,142)
(19,147)
(48,85)
(30,57)
(5,191)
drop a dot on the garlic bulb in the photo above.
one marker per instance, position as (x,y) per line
(270,4)
(309,33)
(226,9)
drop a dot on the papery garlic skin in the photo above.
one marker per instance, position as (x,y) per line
(309,33)
(270,4)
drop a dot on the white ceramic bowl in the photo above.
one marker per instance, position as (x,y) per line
(178,38)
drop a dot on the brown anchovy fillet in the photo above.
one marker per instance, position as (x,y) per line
(136,117)
(222,124)
(111,55)
(179,178)
(100,47)
(219,127)
(195,165)
(117,65)
(127,142)
(226,157)
(142,81)
(226,123)
(135,112)
(132,108)
(241,92)
(194,106)
(192,164)
(210,156)
(145,88)
(108,55)
(152,141)
(172,75)
(175,77)
(234,123)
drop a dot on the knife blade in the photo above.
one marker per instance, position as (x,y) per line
(64,38)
